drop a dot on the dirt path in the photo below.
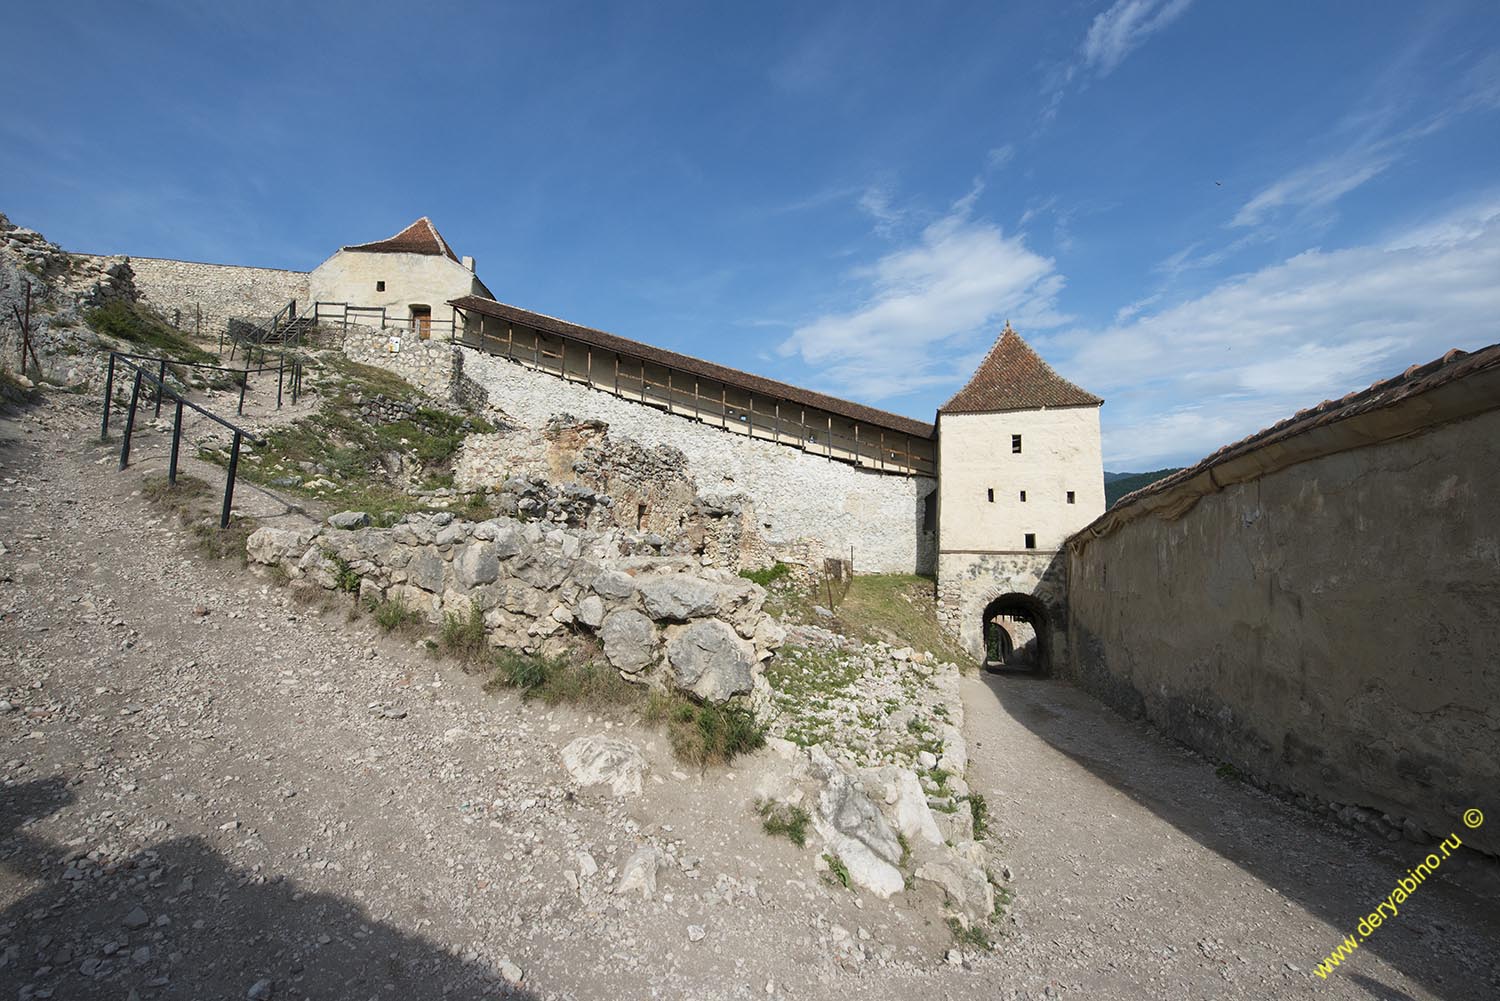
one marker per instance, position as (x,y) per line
(1143,874)
(208,786)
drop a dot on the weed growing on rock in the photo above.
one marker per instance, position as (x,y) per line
(767,576)
(194,503)
(344,577)
(980,810)
(781,820)
(839,870)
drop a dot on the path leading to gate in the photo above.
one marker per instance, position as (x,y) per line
(1143,874)
(206,785)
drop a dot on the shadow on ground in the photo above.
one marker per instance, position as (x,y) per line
(211,929)
(1449,941)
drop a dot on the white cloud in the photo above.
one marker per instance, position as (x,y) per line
(1122,28)
(925,309)
(1186,379)
(875,202)
(1317,184)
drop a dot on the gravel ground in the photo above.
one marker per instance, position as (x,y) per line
(211,791)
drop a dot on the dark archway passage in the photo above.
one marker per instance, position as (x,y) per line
(1016,634)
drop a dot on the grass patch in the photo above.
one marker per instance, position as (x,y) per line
(972,936)
(767,576)
(463,636)
(336,456)
(1229,773)
(556,680)
(396,617)
(702,734)
(142,328)
(899,609)
(197,507)
(781,820)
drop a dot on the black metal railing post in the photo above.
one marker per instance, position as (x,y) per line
(176,439)
(109,389)
(234,465)
(161,384)
(135,395)
(244,381)
(280,376)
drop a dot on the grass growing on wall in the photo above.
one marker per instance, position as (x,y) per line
(900,609)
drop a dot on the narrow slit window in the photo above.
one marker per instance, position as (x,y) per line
(991,493)
(1023,497)
(1030,540)
(380,286)
(1072,498)
(1015,444)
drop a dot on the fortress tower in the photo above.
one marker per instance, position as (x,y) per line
(1020,468)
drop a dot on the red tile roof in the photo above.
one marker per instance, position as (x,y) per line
(696,366)
(1014,377)
(421,237)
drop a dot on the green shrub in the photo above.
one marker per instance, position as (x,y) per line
(463,636)
(981,812)
(779,819)
(839,870)
(766,576)
(396,617)
(139,326)
(556,680)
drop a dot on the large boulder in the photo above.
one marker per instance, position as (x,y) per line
(678,597)
(349,520)
(600,760)
(965,883)
(629,640)
(905,802)
(425,570)
(843,805)
(710,660)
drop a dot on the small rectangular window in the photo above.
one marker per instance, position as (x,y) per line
(991,493)
(1071,497)
(1023,497)
(1030,540)
(1015,444)
(380,286)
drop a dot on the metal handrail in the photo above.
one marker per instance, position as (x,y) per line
(163,389)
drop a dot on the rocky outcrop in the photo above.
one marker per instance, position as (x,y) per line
(667,621)
(599,760)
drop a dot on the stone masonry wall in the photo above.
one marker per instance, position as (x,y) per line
(433,366)
(968,582)
(178,289)
(796,497)
(1329,628)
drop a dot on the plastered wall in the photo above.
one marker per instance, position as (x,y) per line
(1330,628)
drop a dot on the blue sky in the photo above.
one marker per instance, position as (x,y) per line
(1210,214)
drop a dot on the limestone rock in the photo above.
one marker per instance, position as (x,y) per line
(426,571)
(907,804)
(710,660)
(678,597)
(276,546)
(629,640)
(349,520)
(866,868)
(843,805)
(615,586)
(600,760)
(590,611)
(965,883)
(477,564)
(638,875)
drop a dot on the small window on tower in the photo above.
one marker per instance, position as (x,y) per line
(1015,444)
(380,286)
(1030,540)
(1023,497)
(1071,497)
(991,493)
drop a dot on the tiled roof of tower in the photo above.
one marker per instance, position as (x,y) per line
(695,366)
(1014,377)
(421,237)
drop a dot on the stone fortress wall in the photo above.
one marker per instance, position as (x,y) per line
(180,289)
(796,496)
(1321,611)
